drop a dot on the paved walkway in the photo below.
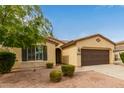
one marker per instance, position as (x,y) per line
(116,71)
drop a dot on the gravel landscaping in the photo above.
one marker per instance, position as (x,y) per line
(40,78)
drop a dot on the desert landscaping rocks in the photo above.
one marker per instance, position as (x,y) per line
(40,78)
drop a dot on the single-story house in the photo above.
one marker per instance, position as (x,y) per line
(91,50)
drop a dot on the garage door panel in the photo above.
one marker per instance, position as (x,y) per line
(94,57)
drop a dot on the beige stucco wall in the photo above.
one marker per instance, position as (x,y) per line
(50,57)
(51,52)
(91,43)
(71,53)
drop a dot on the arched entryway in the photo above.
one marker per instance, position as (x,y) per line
(58,56)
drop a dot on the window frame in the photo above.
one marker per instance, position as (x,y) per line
(44,54)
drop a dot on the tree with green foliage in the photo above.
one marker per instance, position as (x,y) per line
(22,26)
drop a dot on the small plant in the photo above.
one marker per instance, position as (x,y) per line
(56,76)
(122,56)
(68,70)
(49,65)
(7,60)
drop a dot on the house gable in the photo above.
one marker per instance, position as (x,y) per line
(95,42)
(97,39)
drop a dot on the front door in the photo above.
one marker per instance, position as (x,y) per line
(58,56)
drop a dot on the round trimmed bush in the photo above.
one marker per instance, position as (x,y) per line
(7,60)
(49,65)
(56,75)
(68,70)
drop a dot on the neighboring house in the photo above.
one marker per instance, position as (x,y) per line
(91,50)
(119,48)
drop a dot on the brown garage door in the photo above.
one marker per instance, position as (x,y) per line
(94,57)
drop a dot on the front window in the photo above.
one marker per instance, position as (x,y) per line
(31,53)
(38,52)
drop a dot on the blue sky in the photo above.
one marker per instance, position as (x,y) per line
(71,22)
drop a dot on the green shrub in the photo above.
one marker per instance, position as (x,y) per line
(56,75)
(49,65)
(122,56)
(7,60)
(68,70)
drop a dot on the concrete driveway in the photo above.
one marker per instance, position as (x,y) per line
(116,71)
